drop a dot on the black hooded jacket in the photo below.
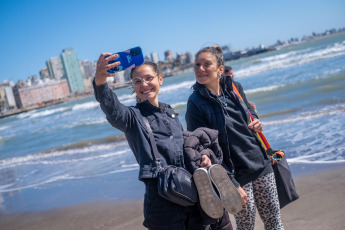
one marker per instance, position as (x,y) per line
(250,160)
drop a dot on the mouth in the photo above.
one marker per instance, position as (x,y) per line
(147,91)
(202,76)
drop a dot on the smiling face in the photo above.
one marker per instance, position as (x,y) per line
(146,83)
(207,69)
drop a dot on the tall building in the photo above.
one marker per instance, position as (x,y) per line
(88,69)
(147,58)
(7,100)
(190,57)
(10,97)
(55,68)
(169,56)
(44,73)
(72,70)
(182,58)
(154,57)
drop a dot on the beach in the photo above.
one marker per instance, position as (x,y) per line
(65,167)
(321,206)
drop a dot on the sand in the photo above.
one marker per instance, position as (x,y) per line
(321,206)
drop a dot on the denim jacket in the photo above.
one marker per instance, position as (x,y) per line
(164,122)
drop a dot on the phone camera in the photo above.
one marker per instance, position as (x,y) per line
(135,51)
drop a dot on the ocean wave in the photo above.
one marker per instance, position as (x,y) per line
(94,157)
(178,104)
(283,56)
(185,84)
(263,89)
(325,157)
(26,114)
(329,110)
(293,58)
(129,101)
(87,105)
(65,176)
(47,112)
(126,96)
(38,158)
(130,166)
(86,122)
(4,127)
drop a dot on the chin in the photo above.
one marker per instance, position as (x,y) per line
(202,80)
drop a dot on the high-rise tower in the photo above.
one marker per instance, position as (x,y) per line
(72,70)
(55,68)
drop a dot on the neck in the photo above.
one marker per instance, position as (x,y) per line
(154,102)
(214,87)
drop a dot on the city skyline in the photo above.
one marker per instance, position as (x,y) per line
(91,28)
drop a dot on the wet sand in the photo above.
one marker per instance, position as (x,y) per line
(321,206)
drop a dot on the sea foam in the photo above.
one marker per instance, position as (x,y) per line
(293,58)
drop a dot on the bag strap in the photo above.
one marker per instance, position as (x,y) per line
(260,135)
(153,143)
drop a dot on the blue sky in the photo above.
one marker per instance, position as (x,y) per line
(34,31)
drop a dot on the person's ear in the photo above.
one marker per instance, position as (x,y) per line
(160,79)
(220,69)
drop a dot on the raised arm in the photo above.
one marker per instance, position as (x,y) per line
(117,114)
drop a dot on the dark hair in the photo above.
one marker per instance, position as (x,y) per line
(216,51)
(227,69)
(154,66)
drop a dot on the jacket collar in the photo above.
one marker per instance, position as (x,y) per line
(147,106)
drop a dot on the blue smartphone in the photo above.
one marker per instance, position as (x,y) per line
(128,59)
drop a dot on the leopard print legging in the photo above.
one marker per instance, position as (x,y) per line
(262,193)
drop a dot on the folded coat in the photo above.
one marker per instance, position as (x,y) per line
(202,141)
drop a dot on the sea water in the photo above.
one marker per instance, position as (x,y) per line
(69,154)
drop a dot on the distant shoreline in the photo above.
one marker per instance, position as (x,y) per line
(56,102)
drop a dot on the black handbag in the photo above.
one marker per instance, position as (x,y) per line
(174,183)
(285,184)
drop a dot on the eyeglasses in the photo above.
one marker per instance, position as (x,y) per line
(137,82)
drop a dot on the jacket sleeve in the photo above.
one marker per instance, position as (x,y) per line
(117,114)
(194,117)
(243,95)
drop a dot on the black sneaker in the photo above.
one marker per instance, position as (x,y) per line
(209,200)
(229,195)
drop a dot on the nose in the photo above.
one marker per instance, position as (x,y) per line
(201,68)
(144,82)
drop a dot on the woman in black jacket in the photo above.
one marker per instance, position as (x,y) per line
(215,105)
(159,213)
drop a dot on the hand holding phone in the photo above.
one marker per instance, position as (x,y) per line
(128,59)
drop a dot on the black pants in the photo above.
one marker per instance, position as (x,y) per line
(223,223)
(161,214)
